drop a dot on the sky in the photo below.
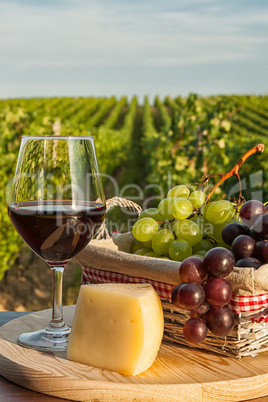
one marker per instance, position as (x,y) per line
(133,47)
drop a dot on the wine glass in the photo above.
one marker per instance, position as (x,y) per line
(56,204)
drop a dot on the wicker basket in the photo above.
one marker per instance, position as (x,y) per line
(108,259)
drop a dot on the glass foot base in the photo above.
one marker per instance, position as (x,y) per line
(46,340)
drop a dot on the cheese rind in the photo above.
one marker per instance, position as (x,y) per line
(118,327)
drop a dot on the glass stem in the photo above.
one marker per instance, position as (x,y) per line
(57,314)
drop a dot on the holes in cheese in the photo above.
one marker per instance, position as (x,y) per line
(117,327)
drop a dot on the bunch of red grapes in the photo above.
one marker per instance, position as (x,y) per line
(207,300)
(248,239)
(204,291)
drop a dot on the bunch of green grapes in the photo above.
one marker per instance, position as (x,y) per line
(182,225)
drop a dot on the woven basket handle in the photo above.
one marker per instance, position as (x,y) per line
(103,233)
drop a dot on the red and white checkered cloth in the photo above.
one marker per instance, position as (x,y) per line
(249,303)
(164,290)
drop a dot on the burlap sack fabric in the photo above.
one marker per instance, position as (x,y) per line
(249,281)
(114,255)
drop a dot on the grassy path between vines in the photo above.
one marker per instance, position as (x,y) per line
(134,169)
(128,177)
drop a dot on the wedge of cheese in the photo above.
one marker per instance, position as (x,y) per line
(118,327)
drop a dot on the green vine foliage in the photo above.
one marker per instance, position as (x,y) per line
(202,141)
(14,122)
(38,117)
(192,138)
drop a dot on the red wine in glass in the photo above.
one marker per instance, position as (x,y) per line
(56,231)
(56,203)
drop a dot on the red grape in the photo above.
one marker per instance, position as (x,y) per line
(250,212)
(232,230)
(219,261)
(218,291)
(203,308)
(175,297)
(220,320)
(192,270)
(260,227)
(259,250)
(191,295)
(249,262)
(265,251)
(243,246)
(195,330)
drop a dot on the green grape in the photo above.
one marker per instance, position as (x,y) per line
(171,225)
(197,198)
(147,244)
(219,212)
(142,251)
(188,230)
(217,229)
(180,191)
(198,255)
(202,253)
(205,207)
(164,208)
(151,213)
(136,245)
(179,250)
(162,240)
(152,254)
(214,231)
(208,230)
(181,208)
(165,225)
(204,244)
(223,244)
(201,222)
(144,229)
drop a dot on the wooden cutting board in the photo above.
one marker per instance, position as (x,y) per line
(178,374)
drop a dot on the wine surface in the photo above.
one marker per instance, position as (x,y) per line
(56,231)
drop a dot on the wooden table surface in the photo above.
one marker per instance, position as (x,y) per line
(10,392)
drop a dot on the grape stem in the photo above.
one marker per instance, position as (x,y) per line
(233,172)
